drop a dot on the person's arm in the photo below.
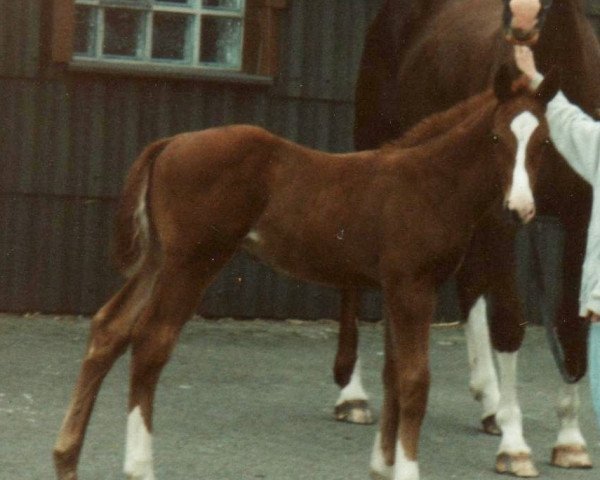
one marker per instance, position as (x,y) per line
(574,133)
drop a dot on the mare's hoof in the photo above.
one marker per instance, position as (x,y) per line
(354,411)
(490,426)
(571,456)
(519,465)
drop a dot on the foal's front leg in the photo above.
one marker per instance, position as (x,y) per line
(406,380)
(514,454)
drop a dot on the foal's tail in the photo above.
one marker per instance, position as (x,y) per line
(133,227)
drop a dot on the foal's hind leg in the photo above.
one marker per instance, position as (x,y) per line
(109,337)
(176,294)
(352,405)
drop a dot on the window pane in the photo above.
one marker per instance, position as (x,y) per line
(123,32)
(85,30)
(127,3)
(169,35)
(221,41)
(223,4)
(176,2)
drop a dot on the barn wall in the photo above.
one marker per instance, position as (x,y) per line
(67,139)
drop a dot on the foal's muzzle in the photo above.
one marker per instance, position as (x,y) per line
(518,36)
(520,212)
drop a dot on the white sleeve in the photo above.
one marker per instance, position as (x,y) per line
(575,135)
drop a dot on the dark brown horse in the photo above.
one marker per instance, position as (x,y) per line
(400,218)
(422,56)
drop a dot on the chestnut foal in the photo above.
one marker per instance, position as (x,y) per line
(396,217)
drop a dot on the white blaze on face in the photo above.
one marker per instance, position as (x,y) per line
(525,14)
(520,196)
(138,448)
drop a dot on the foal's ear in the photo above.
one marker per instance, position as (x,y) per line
(550,86)
(503,84)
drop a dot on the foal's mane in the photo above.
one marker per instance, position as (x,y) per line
(443,122)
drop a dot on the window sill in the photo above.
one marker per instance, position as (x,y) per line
(179,72)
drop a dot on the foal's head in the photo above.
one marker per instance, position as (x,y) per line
(523,20)
(520,137)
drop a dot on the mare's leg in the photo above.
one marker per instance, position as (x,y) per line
(178,288)
(473,283)
(570,450)
(483,382)
(353,403)
(109,337)
(406,380)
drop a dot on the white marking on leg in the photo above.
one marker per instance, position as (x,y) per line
(138,448)
(378,464)
(568,410)
(354,390)
(520,196)
(405,469)
(484,381)
(509,416)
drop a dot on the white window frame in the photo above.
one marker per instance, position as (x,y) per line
(193,9)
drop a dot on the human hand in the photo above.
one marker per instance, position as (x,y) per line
(525,61)
(594,317)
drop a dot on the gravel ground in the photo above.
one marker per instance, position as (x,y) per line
(253,400)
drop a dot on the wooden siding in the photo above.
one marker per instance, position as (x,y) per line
(67,139)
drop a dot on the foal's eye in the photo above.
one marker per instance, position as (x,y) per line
(547,141)
(495,139)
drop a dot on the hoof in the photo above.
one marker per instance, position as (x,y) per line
(64,475)
(519,465)
(354,411)
(490,426)
(64,468)
(67,476)
(571,456)
(379,476)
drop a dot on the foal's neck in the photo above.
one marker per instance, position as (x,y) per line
(459,164)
